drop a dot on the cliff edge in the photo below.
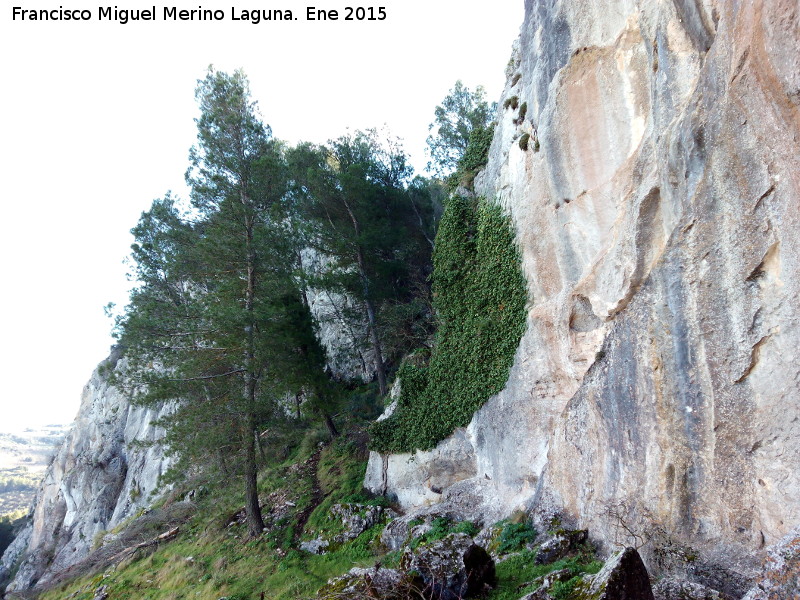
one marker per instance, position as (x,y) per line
(103,473)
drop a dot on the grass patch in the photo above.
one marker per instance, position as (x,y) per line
(213,558)
(516,571)
(441,527)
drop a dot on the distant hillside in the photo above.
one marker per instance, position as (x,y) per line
(23,458)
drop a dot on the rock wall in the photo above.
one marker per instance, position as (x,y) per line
(99,477)
(341,327)
(656,206)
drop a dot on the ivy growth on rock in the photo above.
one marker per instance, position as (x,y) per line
(479,297)
(475,158)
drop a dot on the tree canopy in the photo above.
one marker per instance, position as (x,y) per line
(461,112)
(355,199)
(209,312)
(219,326)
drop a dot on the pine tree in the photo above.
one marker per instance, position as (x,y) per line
(209,310)
(353,195)
(461,113)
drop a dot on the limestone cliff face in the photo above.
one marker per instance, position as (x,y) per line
(656,209)
(341,328)
(98,478)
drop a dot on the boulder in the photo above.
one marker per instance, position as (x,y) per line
(402,530)
(357,518)
(552,550)
(560,545)
(377,582)
(623,577)
(680,589)
(101,593)
(546,582)
(453,567)
(317,546)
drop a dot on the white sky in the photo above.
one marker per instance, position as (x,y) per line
(97,121)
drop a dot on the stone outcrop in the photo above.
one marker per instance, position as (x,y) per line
(377,582)
(450,568)
(622,577)
(12,556)
(780,575)
(103,473)
(453,567)
(341,328)
(355,519)
(656,393)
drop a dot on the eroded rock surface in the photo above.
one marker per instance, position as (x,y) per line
(359,583)
(657,388)
(671,589)
(453,567)
(99,477)
(780,576)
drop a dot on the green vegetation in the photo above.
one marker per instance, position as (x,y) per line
(477,152)
(460,114)
(563,590)
(523,111)
(356,207)
(511,102)
(222,303)
(517,574)
(523,141)
(441,527)
(6,533)
(222,310)
(480,297)
(213,557)
(514,537)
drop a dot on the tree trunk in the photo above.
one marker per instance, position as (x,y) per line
(376,346)
(255,523)
(260,447)
(332,431)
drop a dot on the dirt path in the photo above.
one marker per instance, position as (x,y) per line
(309,469)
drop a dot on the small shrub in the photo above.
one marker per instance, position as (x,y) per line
(523,142)
(440,527)
(563,590)
(477,152)
(523,111)
(516,79)
(467,527)
(512,103)
(515,536)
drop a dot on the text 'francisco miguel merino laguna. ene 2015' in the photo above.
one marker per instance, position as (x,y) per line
(173,13)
